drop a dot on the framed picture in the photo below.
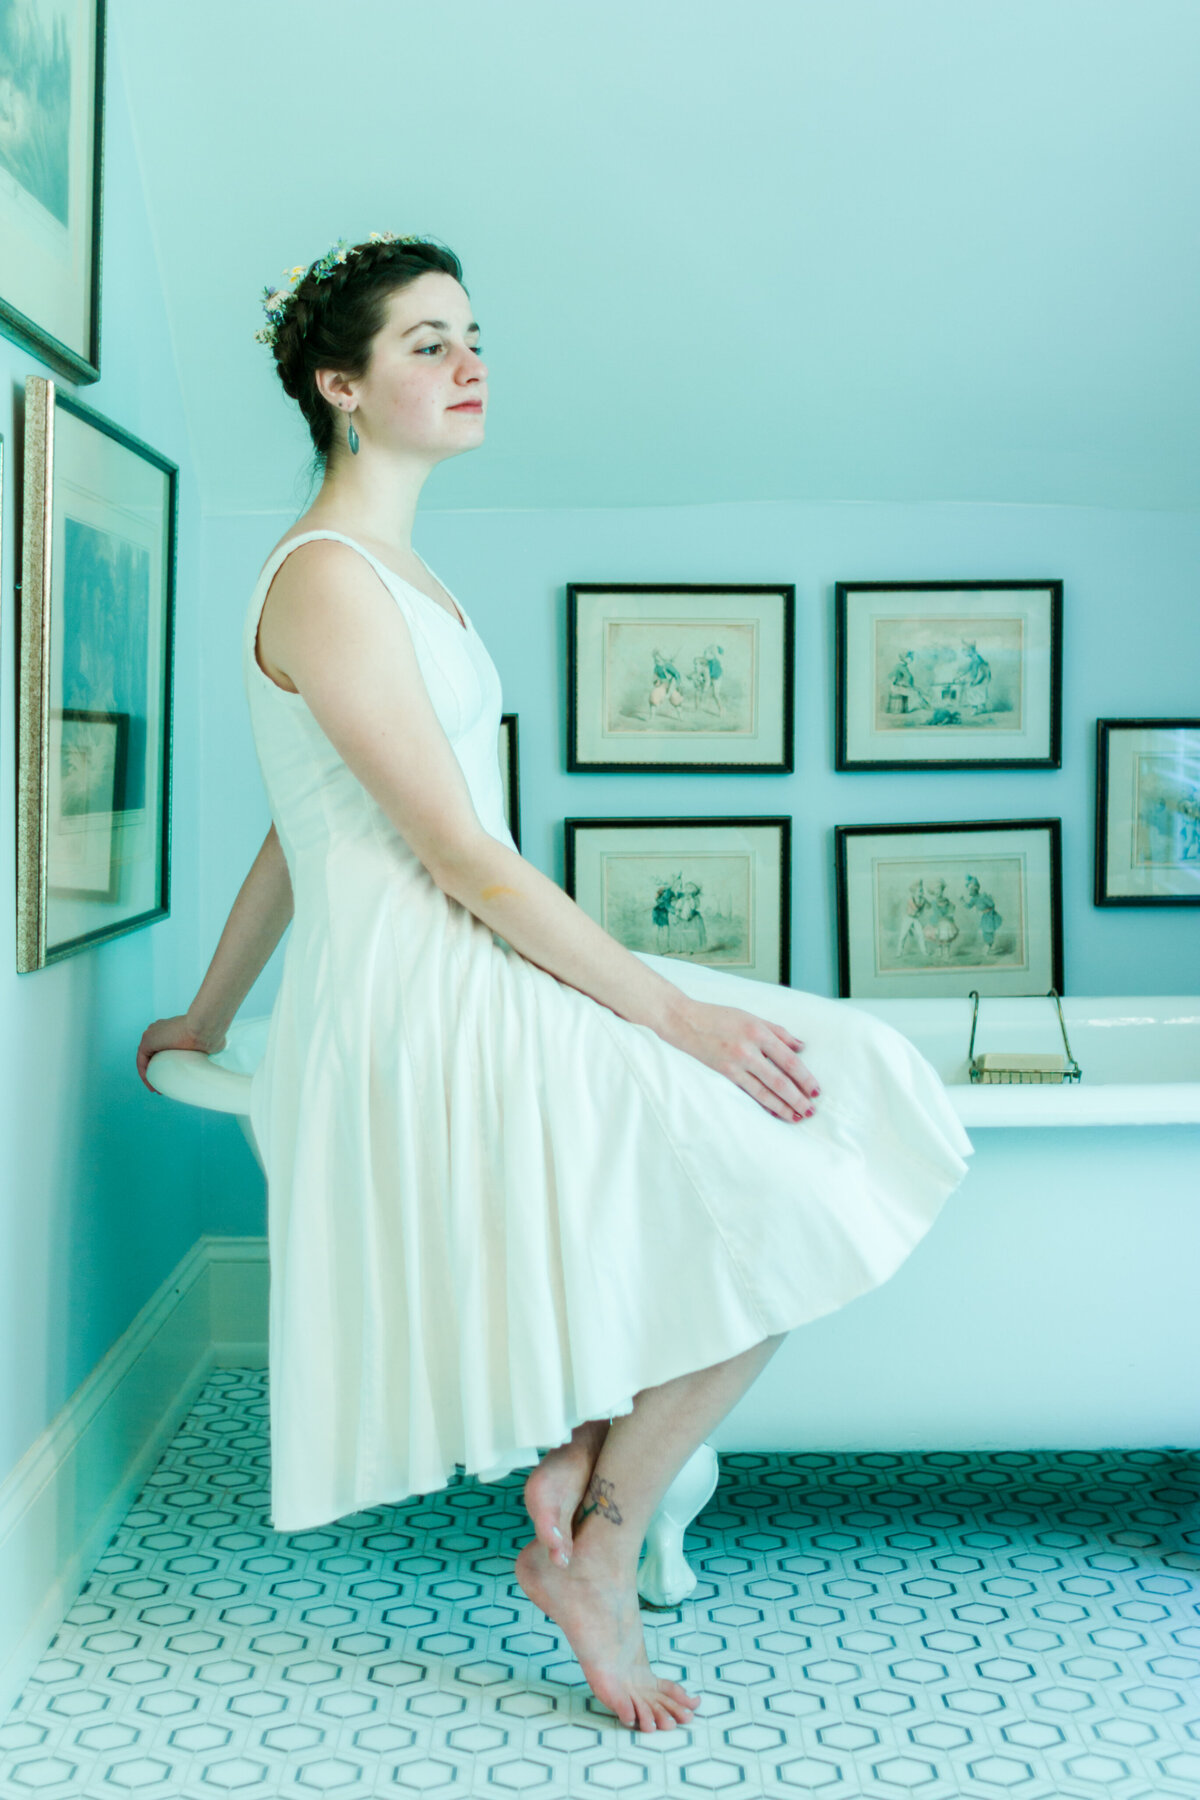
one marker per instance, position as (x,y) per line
(715,891)
(667,679)
(52,55)
(936,910)
(948,675)
(1147,812)
(509,775)
(94,680)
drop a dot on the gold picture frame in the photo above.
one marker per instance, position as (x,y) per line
(94,680)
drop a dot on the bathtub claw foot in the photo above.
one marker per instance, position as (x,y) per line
(665,1577)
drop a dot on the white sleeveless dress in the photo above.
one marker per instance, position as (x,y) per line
(495,1207)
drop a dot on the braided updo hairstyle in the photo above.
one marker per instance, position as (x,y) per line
(330,323)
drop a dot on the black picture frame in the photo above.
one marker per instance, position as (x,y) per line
(1102,894)
(844,593)
(581,593)
(509,757)
(80,364)
(843,834)
(574,828)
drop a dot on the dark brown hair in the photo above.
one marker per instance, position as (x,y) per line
(331,323)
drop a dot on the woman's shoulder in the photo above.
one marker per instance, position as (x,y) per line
(324,550)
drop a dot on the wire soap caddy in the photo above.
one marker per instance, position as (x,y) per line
(1007,1066)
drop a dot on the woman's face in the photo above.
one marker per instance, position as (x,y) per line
(425,388)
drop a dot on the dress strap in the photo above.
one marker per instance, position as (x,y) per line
(281,550)
(388,576)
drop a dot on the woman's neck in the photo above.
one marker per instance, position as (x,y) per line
(379,504)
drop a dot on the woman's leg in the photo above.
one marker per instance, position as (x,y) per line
(594,1598)
(554,1491)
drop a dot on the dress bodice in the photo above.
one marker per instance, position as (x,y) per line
(317,802)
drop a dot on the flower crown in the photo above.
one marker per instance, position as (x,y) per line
(277,299)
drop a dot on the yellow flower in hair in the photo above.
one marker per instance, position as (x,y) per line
(275,299)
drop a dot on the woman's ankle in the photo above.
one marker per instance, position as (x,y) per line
(606,1544)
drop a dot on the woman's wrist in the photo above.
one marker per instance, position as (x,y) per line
(209,1030)
(677,1011)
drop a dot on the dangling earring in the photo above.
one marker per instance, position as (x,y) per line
(352,439)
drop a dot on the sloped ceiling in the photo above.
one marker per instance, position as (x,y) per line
(784,249)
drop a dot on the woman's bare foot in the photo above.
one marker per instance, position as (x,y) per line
(554,1490)
(603,1626)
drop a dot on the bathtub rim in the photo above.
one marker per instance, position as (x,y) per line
(197,1079)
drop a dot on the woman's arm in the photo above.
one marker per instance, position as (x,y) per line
(254,927)
(339,635)
(252,930)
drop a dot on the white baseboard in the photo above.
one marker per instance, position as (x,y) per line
(72,1488)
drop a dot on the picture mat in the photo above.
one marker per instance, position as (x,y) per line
(1152,842)
(1029,609)
(617,874)
(44,259)
(751,629)
(934,852)
(107,495)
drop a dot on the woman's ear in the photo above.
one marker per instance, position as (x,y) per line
(331,386)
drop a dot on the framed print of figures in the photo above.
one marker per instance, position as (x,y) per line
(712,891)
(509,774)
(94,681)
(936,910)
(52,55)
(949,675)
(1147,812)
(667,679)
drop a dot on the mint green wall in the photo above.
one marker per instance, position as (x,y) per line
(100,1181)
(787,250)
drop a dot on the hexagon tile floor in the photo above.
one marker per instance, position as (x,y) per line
(941,1626)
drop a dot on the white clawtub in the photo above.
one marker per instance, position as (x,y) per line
(1076,1243)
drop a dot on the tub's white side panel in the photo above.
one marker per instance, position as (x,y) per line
(1051,1304)
(1021,1104)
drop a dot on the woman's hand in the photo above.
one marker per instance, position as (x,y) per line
(172,1034)
(755,1054)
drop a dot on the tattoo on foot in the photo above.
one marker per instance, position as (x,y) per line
(603,1502)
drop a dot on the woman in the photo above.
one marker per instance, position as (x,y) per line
(688,935)
(526,1187)
(976,679)
(942,930)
